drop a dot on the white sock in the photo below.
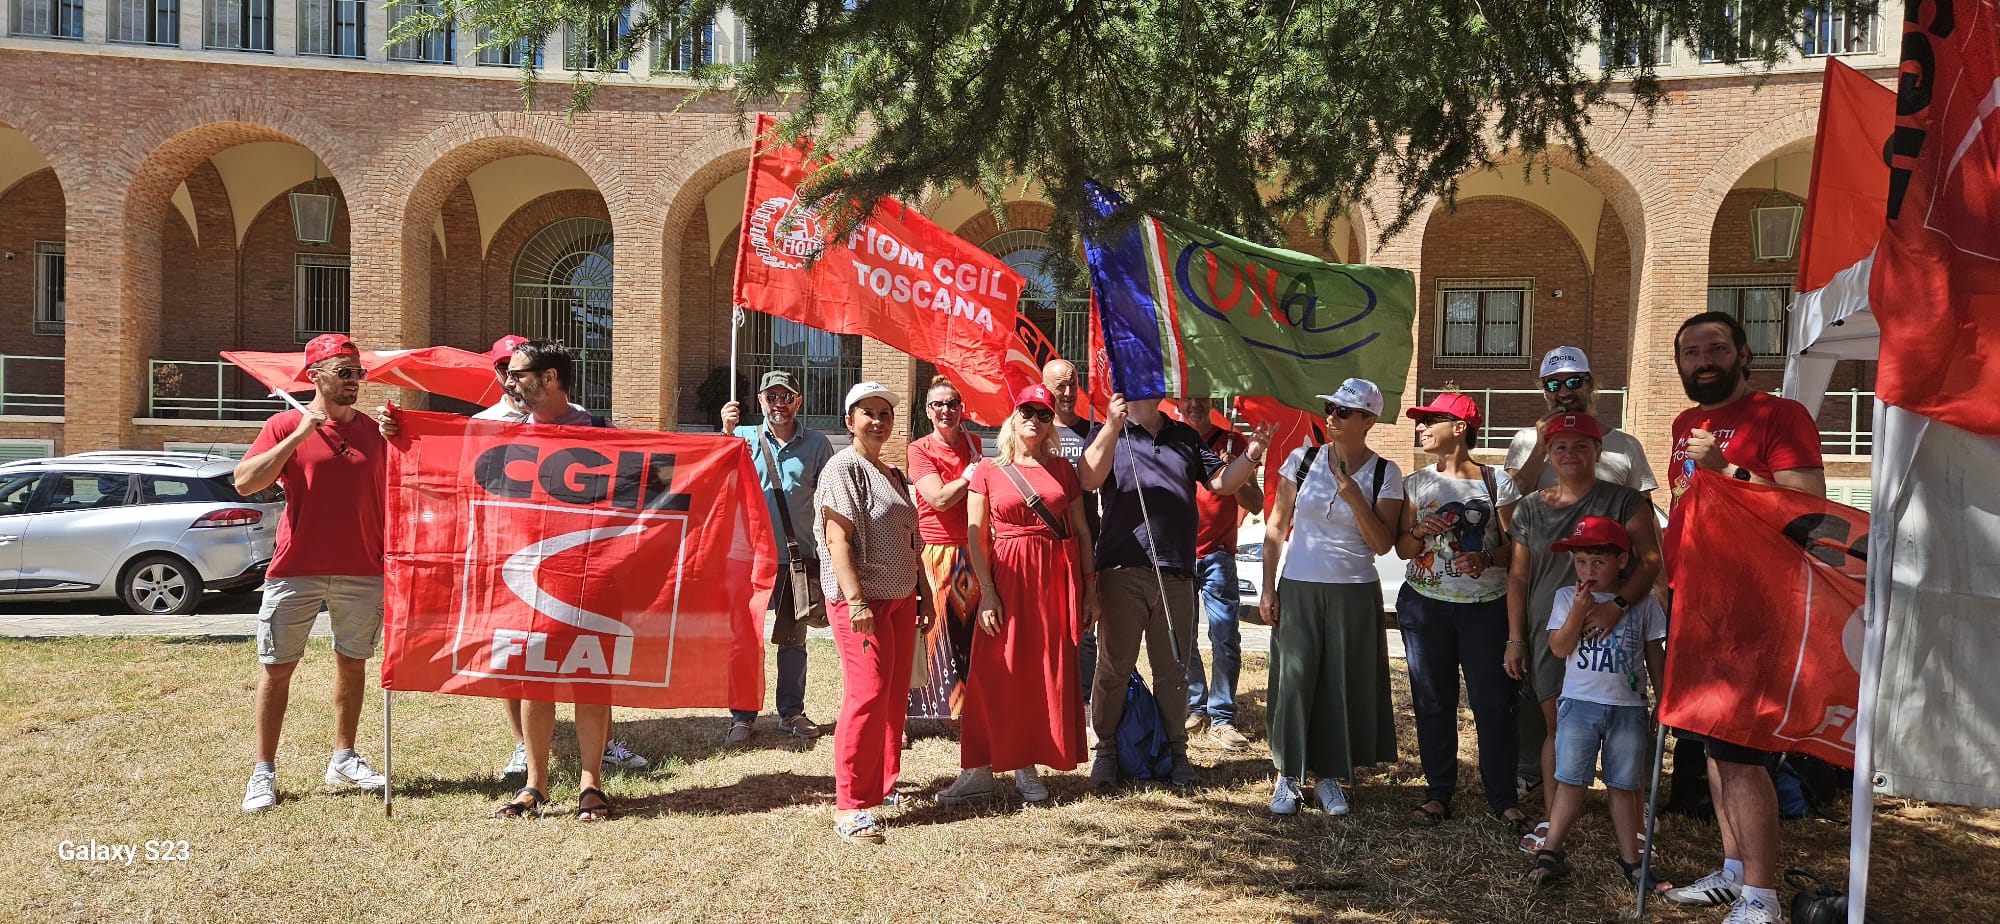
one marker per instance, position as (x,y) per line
(1761,898)
(1733,869)
(265,766)
(343,754)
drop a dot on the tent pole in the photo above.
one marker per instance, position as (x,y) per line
(1886,486)
(388,761)
(1652,805)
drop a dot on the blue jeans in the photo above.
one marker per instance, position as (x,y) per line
(791,685)
(1441,639)
(1216,698)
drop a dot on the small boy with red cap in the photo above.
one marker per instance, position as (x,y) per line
(1603,708)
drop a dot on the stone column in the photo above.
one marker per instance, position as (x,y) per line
(112,322)
(389,283)
(1673,285)
(645,330)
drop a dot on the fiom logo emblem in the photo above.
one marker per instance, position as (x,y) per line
(786,234)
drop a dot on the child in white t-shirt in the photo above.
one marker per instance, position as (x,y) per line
(1603,708)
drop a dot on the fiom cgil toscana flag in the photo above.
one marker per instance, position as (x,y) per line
(1188,311)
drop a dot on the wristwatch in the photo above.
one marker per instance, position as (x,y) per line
(1623,603)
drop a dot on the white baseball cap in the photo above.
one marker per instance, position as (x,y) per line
(1357,393)
(870,390)
(1564,359)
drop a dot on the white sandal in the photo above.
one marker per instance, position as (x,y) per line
(1532,844)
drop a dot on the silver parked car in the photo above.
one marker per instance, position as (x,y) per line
(153,529)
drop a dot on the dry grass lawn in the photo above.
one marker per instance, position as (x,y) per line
(126,741)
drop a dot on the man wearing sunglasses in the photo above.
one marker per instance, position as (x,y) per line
(789,458)
(331,460)
(1568,388)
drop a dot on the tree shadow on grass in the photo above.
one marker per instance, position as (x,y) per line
(753,794)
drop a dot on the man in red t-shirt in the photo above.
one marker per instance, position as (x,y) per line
(331,460)
(1212,699)
(1744,433)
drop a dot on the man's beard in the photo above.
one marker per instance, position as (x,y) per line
(343,398)
(1712,392)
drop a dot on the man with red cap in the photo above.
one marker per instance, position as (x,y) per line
(331,460)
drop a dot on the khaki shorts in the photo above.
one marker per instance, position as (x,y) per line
(354,604)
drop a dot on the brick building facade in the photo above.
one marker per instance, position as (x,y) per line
(155,182)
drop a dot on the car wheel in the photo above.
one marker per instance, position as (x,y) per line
(160,585)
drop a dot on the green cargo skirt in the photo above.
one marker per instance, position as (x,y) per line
(1330,709)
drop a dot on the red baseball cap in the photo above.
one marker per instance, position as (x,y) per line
(503,348)
(1035,394)
(1595,531)
(327,346)
(1576,423)
(1453,403)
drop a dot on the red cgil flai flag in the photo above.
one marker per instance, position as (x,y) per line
(1764,646)
(1935,288)
(575,564)
(898,278)
(1850,180)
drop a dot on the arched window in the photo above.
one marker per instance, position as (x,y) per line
(562,291)
(1062,315)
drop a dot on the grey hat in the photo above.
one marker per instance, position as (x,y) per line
(779,378)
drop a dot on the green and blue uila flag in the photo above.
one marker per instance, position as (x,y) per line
(1187,311)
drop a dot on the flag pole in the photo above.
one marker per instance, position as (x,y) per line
(735,326)
(1652,806)
(388,761)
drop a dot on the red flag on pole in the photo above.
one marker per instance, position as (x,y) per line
(1765,642)
(575,564)
(440,370)
(898,278)
(1295,428)
(1935,290)
(1850,179)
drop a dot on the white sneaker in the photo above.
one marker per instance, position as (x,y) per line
(1285,799)
(262,793)
(971,785)
(355,772)
(518,764)
(1748,910)
(1716,888)
(616,754)
(1028,783)
(1331,797)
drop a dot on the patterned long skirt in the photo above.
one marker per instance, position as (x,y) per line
(946,650)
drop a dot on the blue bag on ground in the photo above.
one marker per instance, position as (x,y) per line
(1144,753)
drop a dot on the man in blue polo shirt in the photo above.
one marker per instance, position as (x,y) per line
(1144,466)
(798,454)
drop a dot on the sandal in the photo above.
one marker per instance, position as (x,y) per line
(1533,841)
(587,812)
(1517,821)
(1550,866)
(859,828)
(1654,883)
(515,808)
(1423,817)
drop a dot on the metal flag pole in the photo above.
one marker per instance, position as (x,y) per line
(388,762)
(1652,805)
(736,320)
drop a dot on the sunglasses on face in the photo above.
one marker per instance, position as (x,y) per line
(347,373)
(1335,410)
(951,405)
(1432,420)
(1043,415)
(1572,383)
(519,374)
(779,398)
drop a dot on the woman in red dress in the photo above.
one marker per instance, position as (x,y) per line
(1023,703)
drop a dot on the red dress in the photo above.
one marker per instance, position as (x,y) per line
(1024,701)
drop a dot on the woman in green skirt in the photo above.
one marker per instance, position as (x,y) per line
(1329,703)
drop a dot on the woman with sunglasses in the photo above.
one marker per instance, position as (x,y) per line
(877,603)
(942,463)
(1330,710)
(1030,547)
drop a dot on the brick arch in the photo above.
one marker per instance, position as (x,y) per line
(54,146)
(1022,214)
(1786,135)
(514,233)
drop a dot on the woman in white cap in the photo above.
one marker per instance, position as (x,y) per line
(1329,703)
(877,603)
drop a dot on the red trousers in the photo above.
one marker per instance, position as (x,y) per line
(875,676)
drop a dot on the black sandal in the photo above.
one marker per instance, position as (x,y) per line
(1519,823)
(1550,866)
(1423,817)
(515,808)
(1653,882)
(585,811)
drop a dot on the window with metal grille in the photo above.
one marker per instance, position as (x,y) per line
(1759,302)
(515,54)
(562,291)
(237,25)
(1739,43)
(145,22)
(331,28)
(1836,28)
(588,49)
(824,364)
(1616,49)
(1484,323)
(696,47)
(434,47)
(319,295)
(49,288)
(59,19)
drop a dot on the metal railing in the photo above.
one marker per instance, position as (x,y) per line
(31,385)
(1506,410)
(1857,408)
(206,390)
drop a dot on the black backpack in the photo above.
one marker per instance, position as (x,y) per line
(1817,904)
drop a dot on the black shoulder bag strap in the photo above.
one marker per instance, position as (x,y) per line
(1034,500)
(784,509)
(1375,490)
(1305,467)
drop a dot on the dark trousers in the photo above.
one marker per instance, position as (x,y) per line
(1441,640)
